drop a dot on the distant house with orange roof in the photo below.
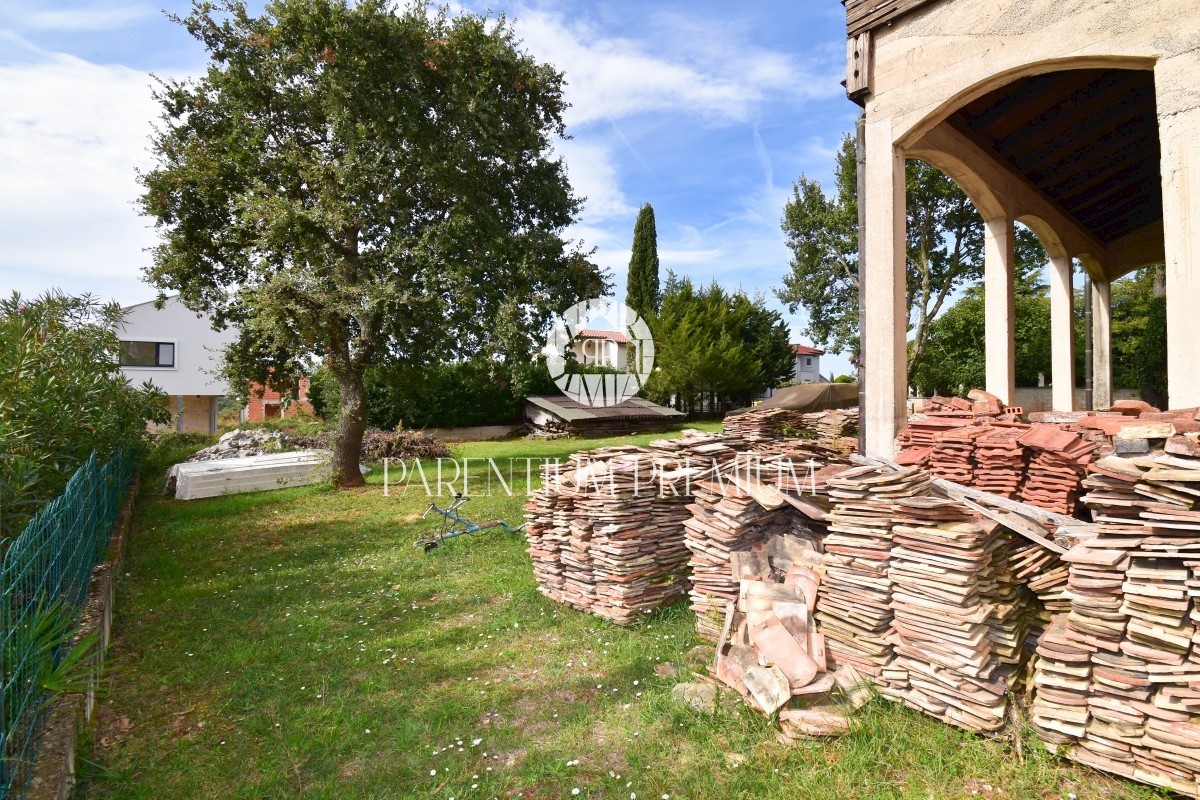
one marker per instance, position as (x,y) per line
(808,364)
(266,403)
(601,348)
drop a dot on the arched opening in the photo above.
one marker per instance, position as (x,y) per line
(1074,154)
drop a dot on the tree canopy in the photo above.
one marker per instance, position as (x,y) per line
(642,291)
(716,344)
(944,253)
(955,349)
(355,183)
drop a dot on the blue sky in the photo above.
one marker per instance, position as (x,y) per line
(707,110)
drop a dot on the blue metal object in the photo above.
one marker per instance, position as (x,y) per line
(453,525)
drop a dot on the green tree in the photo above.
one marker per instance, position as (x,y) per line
(1139,337)
(713,344)
(955,346)
(356,183)
(642,292)
(62,397)
(944,247)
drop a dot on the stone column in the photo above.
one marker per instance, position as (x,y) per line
(885,324)
(179,413)
(1178,121)
(213,403)
(1000,350)
(1062,334)
(1101,344)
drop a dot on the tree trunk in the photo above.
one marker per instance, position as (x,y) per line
(352,424)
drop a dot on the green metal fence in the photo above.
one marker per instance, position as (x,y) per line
(49,565)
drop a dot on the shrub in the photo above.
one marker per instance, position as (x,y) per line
(62,396)
(378,445)
(453,395)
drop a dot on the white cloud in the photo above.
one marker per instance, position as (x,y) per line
(72,134)
(593,173)
(93,18)
(713,77)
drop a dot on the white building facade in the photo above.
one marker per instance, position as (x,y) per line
(178,351)
(808,364)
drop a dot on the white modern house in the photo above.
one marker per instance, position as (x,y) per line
(179,352)
(808,364)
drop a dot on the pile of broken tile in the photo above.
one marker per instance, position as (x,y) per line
(1117,683)
(769,649)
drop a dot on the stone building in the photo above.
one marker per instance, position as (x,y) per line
(1077,118)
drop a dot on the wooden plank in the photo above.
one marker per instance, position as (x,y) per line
(863,15)
(859,61)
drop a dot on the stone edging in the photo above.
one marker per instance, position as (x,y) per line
(54,772)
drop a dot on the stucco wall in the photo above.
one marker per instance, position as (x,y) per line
(198,348)
(948,53)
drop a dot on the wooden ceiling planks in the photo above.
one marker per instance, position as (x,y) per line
(1088,139)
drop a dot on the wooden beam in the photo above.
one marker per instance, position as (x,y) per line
(858,66)
(1004,181)
(863,15)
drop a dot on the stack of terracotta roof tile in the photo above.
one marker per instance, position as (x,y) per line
(1044,573)
(1055,475)
(1122,693)
(761,424)
(835,428)
(854,609)
(547,529)
(724,520)
(603,539)
(953,453)
(1000,460)
(958,632)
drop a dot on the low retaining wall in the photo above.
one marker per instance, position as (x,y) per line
(54,773)
(479,433)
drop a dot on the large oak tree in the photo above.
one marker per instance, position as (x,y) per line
(359,182)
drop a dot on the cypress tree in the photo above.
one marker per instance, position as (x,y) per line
(641,291)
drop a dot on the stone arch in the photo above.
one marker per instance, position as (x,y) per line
(1052,243)
(961,97)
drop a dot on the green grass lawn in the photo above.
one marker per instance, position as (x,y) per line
(294,644)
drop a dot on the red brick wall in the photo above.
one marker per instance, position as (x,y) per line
(268,405)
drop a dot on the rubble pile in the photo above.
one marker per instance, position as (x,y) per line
(243,444)
(377,444)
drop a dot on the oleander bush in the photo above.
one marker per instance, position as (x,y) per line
(62,396)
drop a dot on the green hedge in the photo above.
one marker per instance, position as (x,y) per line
(455,395)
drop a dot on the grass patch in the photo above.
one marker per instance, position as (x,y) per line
(294,644)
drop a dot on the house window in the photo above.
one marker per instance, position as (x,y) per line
(147,354)
(808,362)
